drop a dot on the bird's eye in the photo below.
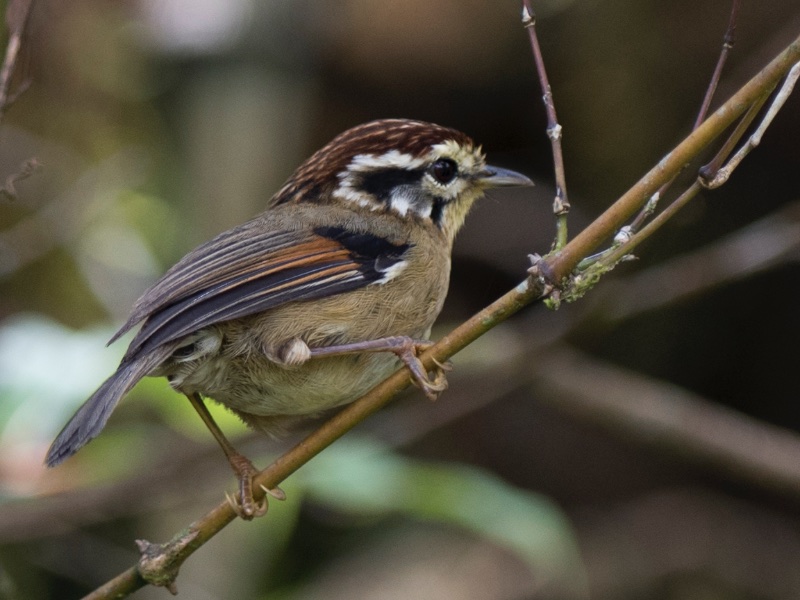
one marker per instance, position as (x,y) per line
(444,170)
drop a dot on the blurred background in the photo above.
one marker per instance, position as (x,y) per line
(639,444)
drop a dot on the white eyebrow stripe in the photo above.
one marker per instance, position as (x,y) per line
(347,192)
(393,158)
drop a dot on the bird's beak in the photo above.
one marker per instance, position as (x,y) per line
(497,177)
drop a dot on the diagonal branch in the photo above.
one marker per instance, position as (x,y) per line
(669,418)
(548,271)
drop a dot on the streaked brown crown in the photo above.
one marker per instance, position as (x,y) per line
(317,177)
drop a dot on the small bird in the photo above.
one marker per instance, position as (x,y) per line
(317,299)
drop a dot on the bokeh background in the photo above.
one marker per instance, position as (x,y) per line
(639,444)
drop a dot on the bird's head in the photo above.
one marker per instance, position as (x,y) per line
(408,169)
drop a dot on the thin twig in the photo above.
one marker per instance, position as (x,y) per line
(17,15)
(712,175)
(723,173)
(559,265)
(561,204)
(624,249)
(728,41)
(17,18)
(26,169)
(710,170)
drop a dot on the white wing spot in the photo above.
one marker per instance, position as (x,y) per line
(392,272)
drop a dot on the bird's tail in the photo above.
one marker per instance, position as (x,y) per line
(91,417)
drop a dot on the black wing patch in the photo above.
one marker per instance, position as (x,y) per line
(231,277)
(372,252)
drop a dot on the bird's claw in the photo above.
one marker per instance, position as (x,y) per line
(247,508)
(409,354)
(250,509)
(244,504)
(432,389)
(275,492)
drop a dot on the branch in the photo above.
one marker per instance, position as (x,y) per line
(17,13)
(26,169)
(554,130)
(547,272)
(771,241)
(667,417)
(17,18)
(727,44)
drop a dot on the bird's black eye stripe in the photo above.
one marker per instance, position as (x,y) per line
(381,182)
(444,170)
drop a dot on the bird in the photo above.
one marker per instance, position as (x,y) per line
(311,303)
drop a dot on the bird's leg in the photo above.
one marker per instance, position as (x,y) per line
(246,507)
(407,349)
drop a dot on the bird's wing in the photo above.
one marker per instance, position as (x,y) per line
(250,269)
